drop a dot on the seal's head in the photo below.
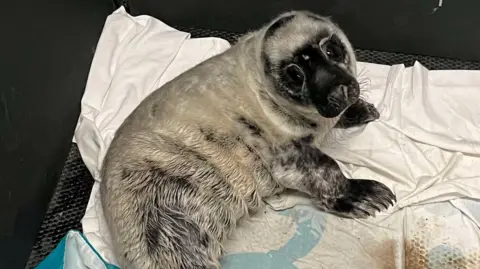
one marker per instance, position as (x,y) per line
(311,63)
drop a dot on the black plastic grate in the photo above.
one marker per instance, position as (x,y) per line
(387,58)
(67,207)
(70,199)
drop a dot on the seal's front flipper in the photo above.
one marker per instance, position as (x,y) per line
(360,113)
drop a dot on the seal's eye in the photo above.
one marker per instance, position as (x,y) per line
(294,74)
(330,52)
(334,52)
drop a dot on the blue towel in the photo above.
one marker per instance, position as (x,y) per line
(74,252)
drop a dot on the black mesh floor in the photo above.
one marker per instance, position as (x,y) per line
(69,202)
(387,58)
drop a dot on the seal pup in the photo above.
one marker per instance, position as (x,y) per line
(201,152)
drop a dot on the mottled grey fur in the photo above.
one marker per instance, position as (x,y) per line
(201,152)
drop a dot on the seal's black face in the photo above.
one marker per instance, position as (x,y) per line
(314,76)
(311,63)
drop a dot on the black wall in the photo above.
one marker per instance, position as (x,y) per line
(45,53)
(409,26)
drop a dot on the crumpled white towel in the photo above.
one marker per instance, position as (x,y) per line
(424,147)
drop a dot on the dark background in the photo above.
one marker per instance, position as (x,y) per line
(45,52)
(409,26)
(47,47)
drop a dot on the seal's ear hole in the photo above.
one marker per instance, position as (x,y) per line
(294,74)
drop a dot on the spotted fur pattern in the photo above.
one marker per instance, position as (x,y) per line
(201,153)
(301,166)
